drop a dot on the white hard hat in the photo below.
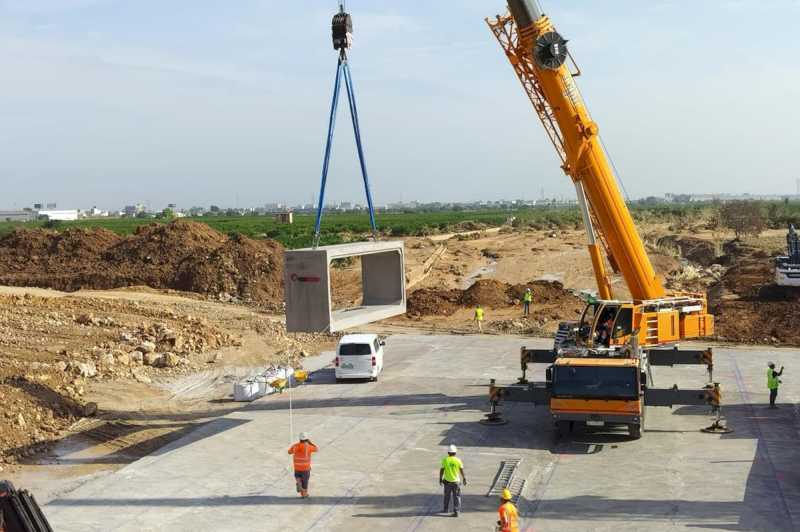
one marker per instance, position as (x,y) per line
(453,449)
(303,436)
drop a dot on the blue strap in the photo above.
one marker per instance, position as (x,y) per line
(342,67)
(326,161)
(351,94)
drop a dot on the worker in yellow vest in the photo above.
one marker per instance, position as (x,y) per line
(772,383)
(527,299)
(509,516)
(479,317)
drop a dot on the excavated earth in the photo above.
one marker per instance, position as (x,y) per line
(181,255)
(494,294)
(749,306)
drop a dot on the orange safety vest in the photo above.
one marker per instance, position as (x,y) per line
(301,453)
(509,518)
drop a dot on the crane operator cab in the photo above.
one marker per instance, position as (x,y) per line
(605,324)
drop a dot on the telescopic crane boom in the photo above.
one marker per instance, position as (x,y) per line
(599,368)
(541,59)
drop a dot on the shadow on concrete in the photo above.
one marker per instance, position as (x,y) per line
(721,515)
(322,376)
(280,402)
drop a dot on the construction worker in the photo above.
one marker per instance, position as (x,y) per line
(451,475)
(509,517)
(479,317)
(527,299)
(773,382)
(301,453)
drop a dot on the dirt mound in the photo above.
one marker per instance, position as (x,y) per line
(697,250)
(547,295)
(749,307)
(757,322)
(251,269)
(180,255)
(488,293)
(430,302)
(22,247)
(165,245)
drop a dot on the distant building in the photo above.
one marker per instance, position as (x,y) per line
(18,216)
(285,217)
(60,216)
(133,210)
(51,206)
(94,212)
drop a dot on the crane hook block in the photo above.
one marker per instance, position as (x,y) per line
(342,29)
(550,50)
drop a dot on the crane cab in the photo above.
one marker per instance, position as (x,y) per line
(611,324)
(605,324)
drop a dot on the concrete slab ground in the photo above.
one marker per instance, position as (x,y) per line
(381,444)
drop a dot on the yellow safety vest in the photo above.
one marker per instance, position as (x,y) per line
(479,314)
(772,380)
(528,297)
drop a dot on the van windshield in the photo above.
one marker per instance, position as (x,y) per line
(354,349)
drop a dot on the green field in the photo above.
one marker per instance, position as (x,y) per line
(343,227)
(336,228)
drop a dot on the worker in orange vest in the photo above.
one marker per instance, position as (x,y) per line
(509,517)
(301,453)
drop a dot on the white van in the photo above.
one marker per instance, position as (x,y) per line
(359,356)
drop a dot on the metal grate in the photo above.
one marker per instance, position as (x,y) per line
(506,478)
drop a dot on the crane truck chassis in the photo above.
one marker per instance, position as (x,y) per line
(600,368)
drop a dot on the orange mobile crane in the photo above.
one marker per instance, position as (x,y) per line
(600,367)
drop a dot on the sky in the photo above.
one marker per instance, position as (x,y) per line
(198,102)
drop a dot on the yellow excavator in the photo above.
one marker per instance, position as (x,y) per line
(599,370)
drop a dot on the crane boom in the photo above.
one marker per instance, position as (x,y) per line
(539,55)
(541,60)
(614,341)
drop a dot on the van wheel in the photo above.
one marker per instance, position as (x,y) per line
(635,430)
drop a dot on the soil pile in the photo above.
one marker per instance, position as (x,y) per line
(487,293)
(697,250)
(433,302)
(181,255)
(748,306)
(548,296)
(250,269)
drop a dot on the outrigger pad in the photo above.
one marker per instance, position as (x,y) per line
(307,286)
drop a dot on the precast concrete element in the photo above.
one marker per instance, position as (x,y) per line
(307,286)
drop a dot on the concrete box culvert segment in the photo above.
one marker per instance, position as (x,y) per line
(307,286)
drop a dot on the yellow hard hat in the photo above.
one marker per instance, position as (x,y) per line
(506,495)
